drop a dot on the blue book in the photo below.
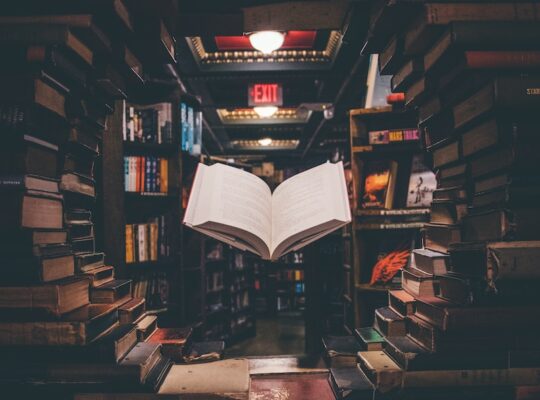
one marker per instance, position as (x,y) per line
(126,174)
(191,129)
(183,125)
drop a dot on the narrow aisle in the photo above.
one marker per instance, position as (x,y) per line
(275,336)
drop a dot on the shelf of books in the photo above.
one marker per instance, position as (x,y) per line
(228,305)
(151,144)
(391,190)
(145,200)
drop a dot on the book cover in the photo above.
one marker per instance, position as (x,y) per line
(379,182)
(422,183)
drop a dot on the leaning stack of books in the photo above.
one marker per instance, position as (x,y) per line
(464,316)
(59,301)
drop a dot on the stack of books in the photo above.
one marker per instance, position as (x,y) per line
(64,318)
(467,304)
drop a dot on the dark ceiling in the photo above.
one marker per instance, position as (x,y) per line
(332,71)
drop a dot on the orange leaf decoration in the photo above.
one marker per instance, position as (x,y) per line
(385,269)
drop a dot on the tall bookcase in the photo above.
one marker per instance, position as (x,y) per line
(163,291)
(373,229)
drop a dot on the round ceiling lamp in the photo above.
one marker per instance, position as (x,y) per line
(265,111)
(267,41)
(265,141)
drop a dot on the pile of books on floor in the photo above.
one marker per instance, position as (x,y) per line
(466,318)
(64,318)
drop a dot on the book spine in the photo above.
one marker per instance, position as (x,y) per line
(143,173)
(158,174)
(126,173)
(8,182)
(131,124)
(502,59)
(133,174)
(159,126)
(164,175)
(148,174)
(142,242)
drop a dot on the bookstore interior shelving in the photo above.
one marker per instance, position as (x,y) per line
(429,292)
(388,211)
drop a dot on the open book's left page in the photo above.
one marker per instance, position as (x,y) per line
(231,205)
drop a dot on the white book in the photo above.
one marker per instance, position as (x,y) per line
(239,208)
(141,236)
(133,174)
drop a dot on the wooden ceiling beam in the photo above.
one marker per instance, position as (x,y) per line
(209,24)
(296,15)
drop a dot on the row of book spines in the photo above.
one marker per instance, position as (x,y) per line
(149,125)
(155,289)
(390,136)
(291,275)
(191,125)
(146,174)
(146,242)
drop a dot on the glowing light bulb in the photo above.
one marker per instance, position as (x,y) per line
(267,41)
(265,111)
(265,141)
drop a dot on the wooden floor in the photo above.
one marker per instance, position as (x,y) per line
(275,336)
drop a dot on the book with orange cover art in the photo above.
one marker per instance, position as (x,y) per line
(379,184)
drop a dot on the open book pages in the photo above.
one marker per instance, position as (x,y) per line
(239,208)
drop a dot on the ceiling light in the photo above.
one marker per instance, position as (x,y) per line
(266,111)
(267,41)
(265,141)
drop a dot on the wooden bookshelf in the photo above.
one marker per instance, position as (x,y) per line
(370,227)
(122,208)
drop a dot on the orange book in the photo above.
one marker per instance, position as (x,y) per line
(129,244)
(142,175)
(164,175)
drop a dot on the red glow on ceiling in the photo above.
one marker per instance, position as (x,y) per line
(293,40)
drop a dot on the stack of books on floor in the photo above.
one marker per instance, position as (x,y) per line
(467,312)
(64,318)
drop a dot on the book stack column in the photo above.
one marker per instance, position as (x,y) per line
(464,316)
(64,318)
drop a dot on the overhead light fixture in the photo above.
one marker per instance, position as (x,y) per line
(265,111)
(267,41)
(265,141)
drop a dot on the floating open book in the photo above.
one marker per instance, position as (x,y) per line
(238,208)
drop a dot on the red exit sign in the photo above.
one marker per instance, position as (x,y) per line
(265,94)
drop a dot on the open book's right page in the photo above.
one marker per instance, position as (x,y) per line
(308,206)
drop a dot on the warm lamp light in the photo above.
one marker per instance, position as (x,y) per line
(266,111)
(267,41)
(265,142)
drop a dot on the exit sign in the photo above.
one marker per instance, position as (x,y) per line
(265,94)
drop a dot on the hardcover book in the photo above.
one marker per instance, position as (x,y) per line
(239,208)
(422,183)
(379,183)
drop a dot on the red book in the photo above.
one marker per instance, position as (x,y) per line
(395,98)
(502,59)
(137,174)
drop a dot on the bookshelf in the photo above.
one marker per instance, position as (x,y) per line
(141,213)
(379,229)
(227,311)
